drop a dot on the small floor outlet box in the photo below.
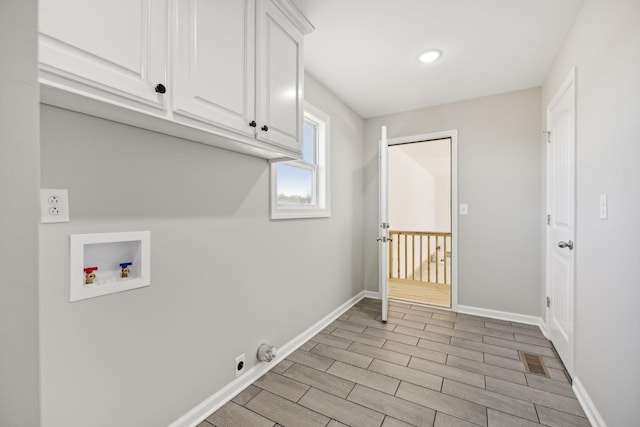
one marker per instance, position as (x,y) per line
(240,365)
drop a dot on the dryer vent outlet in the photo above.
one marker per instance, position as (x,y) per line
(266,353)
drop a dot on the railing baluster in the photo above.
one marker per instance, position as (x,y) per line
(398,267)
(429,259)
(420,237)
(413,257)
(437,261)
(441,247)
(391,256)
(444,238)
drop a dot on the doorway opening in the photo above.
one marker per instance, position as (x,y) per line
(421,244)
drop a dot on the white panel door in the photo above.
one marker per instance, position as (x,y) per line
(383,221)
(214,63)
(561,221)
(279,75)
(115,49)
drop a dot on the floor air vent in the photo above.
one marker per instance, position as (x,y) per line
(534,364)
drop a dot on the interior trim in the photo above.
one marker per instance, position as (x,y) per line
(587,404)
(502,315)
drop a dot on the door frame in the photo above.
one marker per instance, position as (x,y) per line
(453,135)
(383,221)
(569,84)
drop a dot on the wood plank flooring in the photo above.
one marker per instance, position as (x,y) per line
(424,367)
(436,294)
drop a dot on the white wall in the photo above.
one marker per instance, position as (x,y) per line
(412,193)
(499,157)
(224,278)
(19,184)
(604,45)
(443,204)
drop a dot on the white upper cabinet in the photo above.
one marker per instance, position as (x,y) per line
(227,73)
(113,50)
(280,74)
(214,63)
(239,66)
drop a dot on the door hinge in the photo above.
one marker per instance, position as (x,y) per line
(548,302)
(548,219)
(548,133)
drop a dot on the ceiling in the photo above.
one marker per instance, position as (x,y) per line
(433,156)
(365,51)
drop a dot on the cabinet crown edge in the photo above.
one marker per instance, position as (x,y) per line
(295,16)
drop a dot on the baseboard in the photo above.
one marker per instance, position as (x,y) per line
(587,404)
(502,315)
(196,415)
(544,329)
(485,312)
(372,294)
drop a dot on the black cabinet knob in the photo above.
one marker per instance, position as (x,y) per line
(253,123)
(160,88)
(265,128)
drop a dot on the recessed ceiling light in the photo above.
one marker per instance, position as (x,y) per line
(430,56)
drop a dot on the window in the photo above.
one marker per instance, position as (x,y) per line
(300,188)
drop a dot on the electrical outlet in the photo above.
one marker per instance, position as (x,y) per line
(54,205)
(240,365)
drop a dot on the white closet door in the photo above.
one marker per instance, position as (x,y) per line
(561,222)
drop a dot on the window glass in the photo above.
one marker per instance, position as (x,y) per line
(294,185)
(300,188)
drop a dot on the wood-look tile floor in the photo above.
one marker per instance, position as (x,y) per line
(424,367)
(435,294)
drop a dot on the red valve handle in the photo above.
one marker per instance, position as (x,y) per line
(90,270)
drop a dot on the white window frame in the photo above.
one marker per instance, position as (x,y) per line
(321,184)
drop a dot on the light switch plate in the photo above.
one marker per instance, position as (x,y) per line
(54,205)
(464,209)
(604,214)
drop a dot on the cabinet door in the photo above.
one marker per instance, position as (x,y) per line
(214,63)
(280,76)
(113,50)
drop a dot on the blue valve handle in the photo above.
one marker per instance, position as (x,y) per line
(125,264)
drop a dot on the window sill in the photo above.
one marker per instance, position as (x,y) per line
(300,213)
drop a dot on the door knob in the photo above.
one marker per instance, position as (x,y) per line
(160,88)
(253,123)
(569,244)
(265,128)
